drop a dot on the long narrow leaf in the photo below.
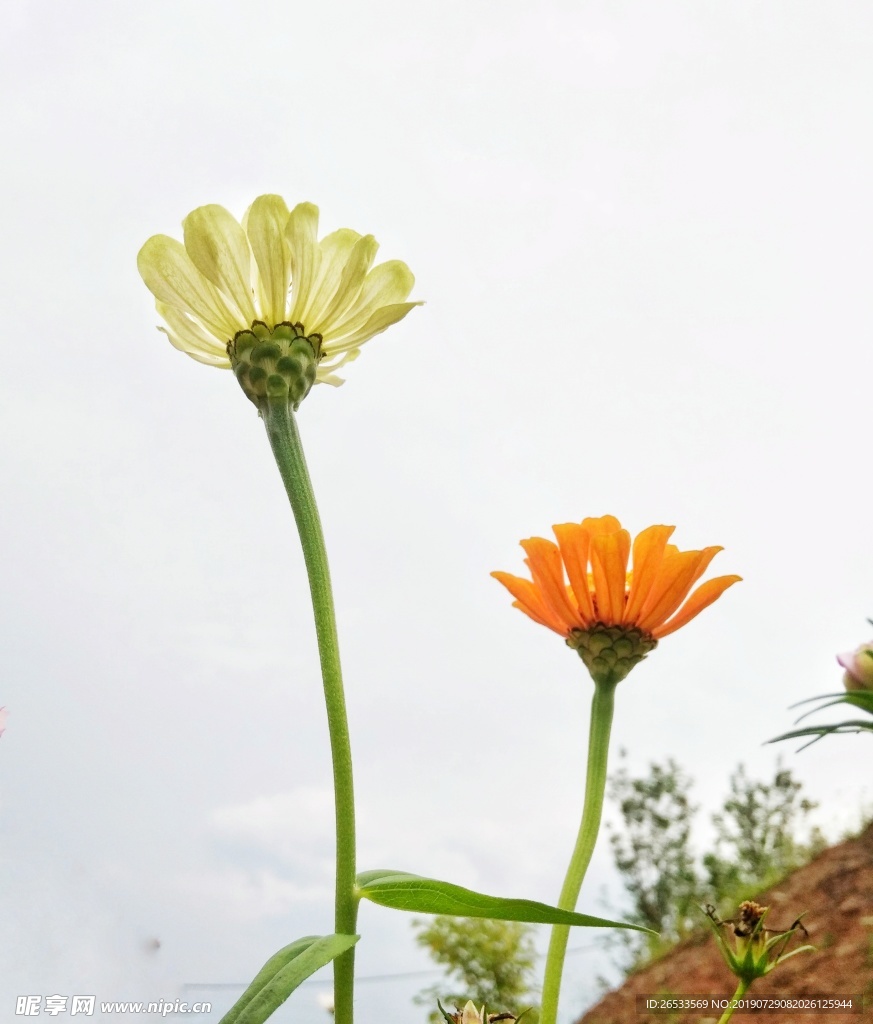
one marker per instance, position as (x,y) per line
(401,891)
(860,699)
(272,967)
(282,973)
(822,696)
(820,731)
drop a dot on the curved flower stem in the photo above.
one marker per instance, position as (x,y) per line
(284,438)
(742,989)
(598,750)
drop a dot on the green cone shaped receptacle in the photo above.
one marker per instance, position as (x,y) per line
(610,652)
(278,364)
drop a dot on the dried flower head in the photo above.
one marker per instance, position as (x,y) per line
(756,950)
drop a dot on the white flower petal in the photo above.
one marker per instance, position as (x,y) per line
(380,320)
(189,336)
(349,285)
(171,277)
(471,1015)
(386,284)
(201,357)
(335,250)
(219,249)
(325,374)
(334,362)
(302,234)
(265,223)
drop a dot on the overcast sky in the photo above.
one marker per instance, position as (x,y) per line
(643,233)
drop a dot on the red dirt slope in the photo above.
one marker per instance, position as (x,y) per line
(835,890)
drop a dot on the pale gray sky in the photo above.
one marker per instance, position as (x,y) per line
(643,232)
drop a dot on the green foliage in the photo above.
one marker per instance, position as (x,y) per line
(757,843)
(756,834)
(652,851)
(862,699)
(489,962)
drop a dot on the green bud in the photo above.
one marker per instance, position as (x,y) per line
(859,668)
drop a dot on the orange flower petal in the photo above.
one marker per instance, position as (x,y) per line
(547,569)
(532,615)
(704,596)
(601,524)
(609,555)
(529,599)
(574,541)
(649,548)
(679,572)
(646,598)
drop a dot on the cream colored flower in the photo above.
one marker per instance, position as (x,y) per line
(272,269)
(470,1015)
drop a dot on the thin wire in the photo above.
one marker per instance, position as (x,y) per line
(365,978)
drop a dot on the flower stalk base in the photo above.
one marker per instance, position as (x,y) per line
(742,989)
(602,706)
(284,438)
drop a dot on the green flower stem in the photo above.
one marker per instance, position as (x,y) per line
(742,989)
(284,438)
(602,706)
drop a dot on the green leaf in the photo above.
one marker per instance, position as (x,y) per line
(858,698)
(446,1017)
(402,891)
(819,731)
(282,973)
(861,699)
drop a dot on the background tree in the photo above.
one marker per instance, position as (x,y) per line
(490,962)
(757,834)
(653,853)
(758,841)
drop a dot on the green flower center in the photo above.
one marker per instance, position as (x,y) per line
(275,365)
(610,652)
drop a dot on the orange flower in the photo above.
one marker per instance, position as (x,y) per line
(606,607)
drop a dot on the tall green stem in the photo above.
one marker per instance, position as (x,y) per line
(602,705)
(742,988)
(285,442)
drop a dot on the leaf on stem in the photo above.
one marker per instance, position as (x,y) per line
(820,731)
(401,891)
(282,973)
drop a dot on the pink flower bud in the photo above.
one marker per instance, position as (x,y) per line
(859,668)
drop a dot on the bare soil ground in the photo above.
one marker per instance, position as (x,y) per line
(835,890)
